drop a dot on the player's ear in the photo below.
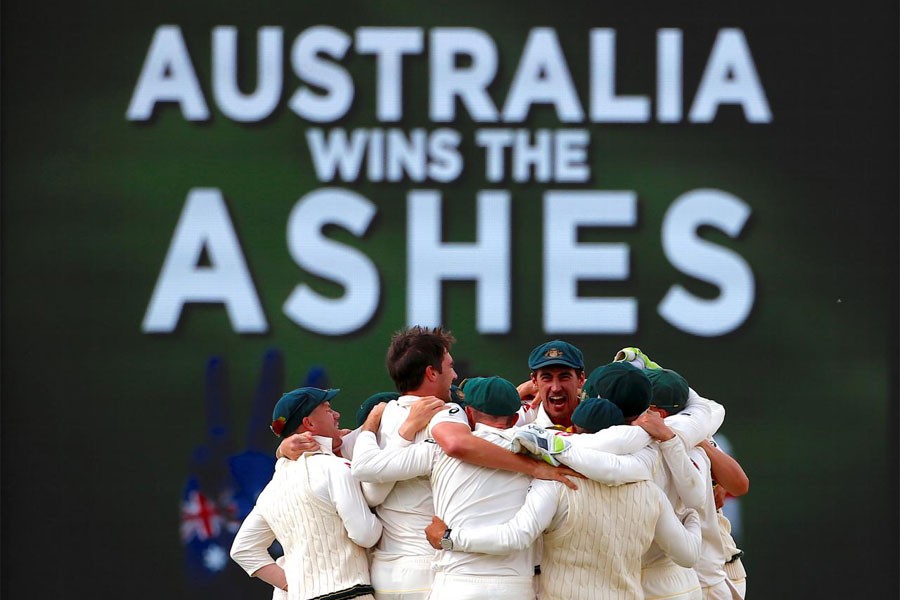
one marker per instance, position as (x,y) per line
(470,415)
(660,411)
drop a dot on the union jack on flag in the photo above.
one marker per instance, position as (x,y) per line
(200,519)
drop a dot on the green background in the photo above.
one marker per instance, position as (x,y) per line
(99,420)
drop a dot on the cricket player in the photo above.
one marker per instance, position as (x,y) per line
(314,507)
(420,364)
(675,401)
(557,376)
(465,493)
(593,539)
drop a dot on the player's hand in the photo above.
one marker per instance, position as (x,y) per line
(690,518)
(719,493)
(562,474)
(420,414)
(228,471)
(528,391)
(651,422)
(373,421)
(435,531)
(293,446)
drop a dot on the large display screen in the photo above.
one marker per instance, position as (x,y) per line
(207,204)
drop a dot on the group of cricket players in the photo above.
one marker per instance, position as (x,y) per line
(599,485)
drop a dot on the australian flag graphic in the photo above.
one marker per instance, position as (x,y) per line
(224,481)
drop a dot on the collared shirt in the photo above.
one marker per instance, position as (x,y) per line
(464,495)
(546,508)
(543,419)
(331,481)
(711,566)
(407,510)
(467,495)
(699,419)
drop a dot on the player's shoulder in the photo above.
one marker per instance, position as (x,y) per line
(329,461)
(453,413)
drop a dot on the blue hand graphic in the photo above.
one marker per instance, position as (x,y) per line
(223,484)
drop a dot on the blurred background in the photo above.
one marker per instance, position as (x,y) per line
(133,441)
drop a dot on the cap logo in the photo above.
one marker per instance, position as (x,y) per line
(277,425)
(553,353)
(460,393)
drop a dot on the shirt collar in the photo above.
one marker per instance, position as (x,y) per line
(325,443)
(407,400)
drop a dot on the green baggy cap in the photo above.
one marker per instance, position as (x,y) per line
(596,414)
(491,395)
(293,406)
(624,385)
(556,352)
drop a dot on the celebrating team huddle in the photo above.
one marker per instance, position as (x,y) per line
(567,486)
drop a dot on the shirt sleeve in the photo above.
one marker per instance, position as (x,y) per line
(525,416)
(376,493)
(686,476)
(618,439)
(680,542)
(250,548)
(699,419)
(608,468)
(454,414)
(362,526)
(348,443)
(392,463)
(518,533)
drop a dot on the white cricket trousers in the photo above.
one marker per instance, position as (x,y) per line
(481,587)
(670,582)
(403,578)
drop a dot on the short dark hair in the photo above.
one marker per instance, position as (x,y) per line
(414,349)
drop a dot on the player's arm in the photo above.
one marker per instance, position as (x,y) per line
(273,575)
(293,446)
(607,468)
(681,541)
(520,532)
(686,477)
(699,419)
(725,470)
(387,465)
(689,482)
(457,441)
(396,462)
(420,414)
(618,439)
(362,526)
(250,550)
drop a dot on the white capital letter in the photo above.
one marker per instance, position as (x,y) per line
(389,44)
(236,105)
(566,262)
(486,261)
(470,83)
(606,107)
(542,78)
(668,75)
(730,78)
(694,256)
(328,259)
(167,76)
(204,224)
(314,69)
